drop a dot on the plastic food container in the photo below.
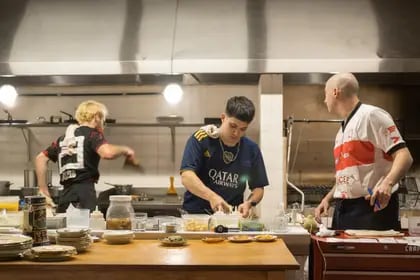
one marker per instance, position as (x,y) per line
(170,227)
(56,222)
(251,225)
(11,219)
(10,203)
(195,222)
(414,226)
(226,220)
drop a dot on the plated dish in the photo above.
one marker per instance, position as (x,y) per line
(213,239)
(51,253)
(265,238)
(118,236)
(240,238)
(173,240)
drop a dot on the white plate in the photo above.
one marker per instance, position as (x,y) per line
(72,232)
(118,240)
(10,230)
(118,236)
(97,232)
(240,239)
(14,239)
(118,233)
(265,238)
(166,242)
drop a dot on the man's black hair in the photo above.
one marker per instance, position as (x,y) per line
(241,108)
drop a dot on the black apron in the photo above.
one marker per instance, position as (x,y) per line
(81,195)
(358,214)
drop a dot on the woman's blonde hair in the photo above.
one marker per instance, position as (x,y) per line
(87,110)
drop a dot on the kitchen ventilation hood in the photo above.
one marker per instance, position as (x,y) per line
(114,37)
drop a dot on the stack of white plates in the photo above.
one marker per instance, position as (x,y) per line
(10,230)
(51,253)
(118,236)
(78,238)
(12,246)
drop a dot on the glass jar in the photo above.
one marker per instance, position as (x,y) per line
(280,221)
(120,213)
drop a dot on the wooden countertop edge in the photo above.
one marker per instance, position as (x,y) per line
(150,255)
(47,266)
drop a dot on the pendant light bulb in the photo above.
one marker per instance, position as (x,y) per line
(173,93)
(8,95)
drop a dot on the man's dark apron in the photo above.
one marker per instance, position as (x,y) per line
(358,214)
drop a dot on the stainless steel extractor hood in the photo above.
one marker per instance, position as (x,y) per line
(113,37)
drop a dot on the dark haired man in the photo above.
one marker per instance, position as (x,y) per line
(218,164)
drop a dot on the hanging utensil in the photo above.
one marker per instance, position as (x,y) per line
(133,164)
(70,119)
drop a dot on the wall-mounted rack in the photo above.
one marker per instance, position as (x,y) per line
(26,126)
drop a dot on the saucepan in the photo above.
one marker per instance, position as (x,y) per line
(122,189)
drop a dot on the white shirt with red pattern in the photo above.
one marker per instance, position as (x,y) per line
(360,151)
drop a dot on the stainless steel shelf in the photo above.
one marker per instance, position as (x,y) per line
(128,124)
(26,126)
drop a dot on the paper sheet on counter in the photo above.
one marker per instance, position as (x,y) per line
(349,240)
(373,233)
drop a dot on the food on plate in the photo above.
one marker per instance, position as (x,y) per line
(240,238)
(265,237)
(173,240)
(213,239)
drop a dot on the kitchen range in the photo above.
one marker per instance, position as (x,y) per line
(153,201)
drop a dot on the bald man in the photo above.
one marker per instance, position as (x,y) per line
(370,158)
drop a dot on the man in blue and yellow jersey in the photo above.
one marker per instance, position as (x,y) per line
(218,164)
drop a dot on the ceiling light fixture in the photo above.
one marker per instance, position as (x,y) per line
(8,95)
(173,93)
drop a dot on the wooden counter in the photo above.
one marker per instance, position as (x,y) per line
(147,259)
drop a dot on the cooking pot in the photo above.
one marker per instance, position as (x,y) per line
(122,189)
(4,187)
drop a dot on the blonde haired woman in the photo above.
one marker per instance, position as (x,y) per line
(78,153)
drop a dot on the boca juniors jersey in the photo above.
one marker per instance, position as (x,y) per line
(204,156)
